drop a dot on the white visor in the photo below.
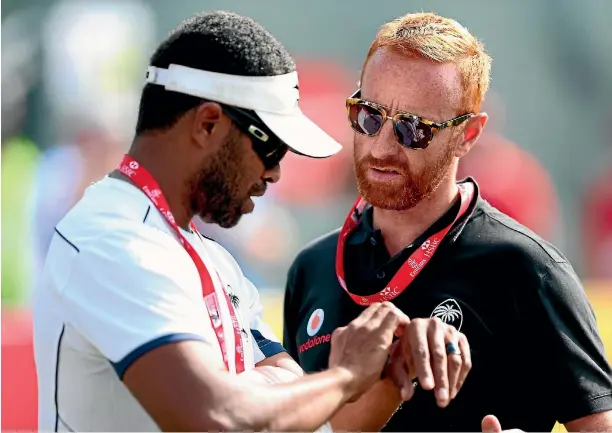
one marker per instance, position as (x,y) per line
(273,98)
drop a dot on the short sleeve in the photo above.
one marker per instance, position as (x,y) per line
(564,325)
(129,293)
(289,314)
(265,343)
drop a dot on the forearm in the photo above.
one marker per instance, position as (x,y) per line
(372,411)
(302,405)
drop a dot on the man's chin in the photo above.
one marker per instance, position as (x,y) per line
(248,206)
(387,198)
(226,221)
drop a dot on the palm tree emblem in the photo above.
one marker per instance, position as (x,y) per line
(449,312)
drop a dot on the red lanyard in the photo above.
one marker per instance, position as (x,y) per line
(143,179)
(415,263)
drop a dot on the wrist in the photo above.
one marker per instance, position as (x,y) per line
(346,380)
(392,390)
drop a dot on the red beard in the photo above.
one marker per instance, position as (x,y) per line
(406,190)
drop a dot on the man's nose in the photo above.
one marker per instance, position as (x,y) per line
(385,143)
(273,174)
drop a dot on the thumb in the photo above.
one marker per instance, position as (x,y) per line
(490,424)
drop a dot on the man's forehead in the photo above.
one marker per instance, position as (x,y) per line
(419,86)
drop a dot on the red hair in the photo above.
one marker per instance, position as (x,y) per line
(441,40)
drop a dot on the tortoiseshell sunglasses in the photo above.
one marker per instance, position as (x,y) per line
(411,131)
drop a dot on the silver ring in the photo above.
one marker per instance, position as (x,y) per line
(452,349)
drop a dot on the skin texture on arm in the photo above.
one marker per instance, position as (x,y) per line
(370,413)
(162,377)
(219,401)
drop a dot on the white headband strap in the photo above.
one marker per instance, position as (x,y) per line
(274,94)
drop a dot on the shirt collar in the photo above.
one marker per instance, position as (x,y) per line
(365,228)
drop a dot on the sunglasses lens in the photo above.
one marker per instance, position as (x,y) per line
(273,158)
(412,133)
(365,119)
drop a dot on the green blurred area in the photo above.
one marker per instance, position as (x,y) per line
(19,157)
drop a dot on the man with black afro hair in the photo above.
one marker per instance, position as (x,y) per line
(134,324)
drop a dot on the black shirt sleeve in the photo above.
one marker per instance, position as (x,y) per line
(571,359)
(290,312)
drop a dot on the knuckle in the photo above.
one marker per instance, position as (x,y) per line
(354,325)
(438,352)
(421,352)
(370,327)
(451,330)
(418,324)
(338,332)
(455,361)
(436,323)
(467,364)
(417,321)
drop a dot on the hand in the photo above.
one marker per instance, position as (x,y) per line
(424,348)
(362,347)
(491,424)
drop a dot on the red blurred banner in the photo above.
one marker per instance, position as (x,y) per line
(19,393)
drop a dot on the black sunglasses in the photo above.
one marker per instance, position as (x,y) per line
(411,131)
(270,149)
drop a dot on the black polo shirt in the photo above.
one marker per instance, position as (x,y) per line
(537,356)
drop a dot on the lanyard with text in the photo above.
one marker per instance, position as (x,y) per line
(415,263)
(143,180)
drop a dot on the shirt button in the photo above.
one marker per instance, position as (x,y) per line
(373,241)
(380,275)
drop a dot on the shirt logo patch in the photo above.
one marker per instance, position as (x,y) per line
(234,299)
(312,328)
(450,313)
(315,322)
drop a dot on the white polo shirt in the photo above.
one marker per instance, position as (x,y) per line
(117,284)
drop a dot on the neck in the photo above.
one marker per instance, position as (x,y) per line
(165,167)
(401,228)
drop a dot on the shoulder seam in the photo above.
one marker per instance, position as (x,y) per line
(144,220)
(559,259)
(67,241)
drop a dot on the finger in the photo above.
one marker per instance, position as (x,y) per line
(380,313)
(466,364)
(399,374)
(417,348)
(437,348)
(337,333)
(403,382)
(366,314)
(389,320)
(454,362)
(384,310)
(404,320)
(491,424)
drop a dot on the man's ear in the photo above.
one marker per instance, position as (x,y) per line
(473,130)
(208,124)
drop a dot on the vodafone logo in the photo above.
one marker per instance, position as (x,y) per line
(315,322)
(312,328)
(134,165)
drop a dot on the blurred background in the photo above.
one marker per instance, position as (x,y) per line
(72,72)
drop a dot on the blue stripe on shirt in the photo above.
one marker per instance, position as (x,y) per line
(122,365)
(268,347)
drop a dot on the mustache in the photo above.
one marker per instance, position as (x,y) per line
(390,163)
